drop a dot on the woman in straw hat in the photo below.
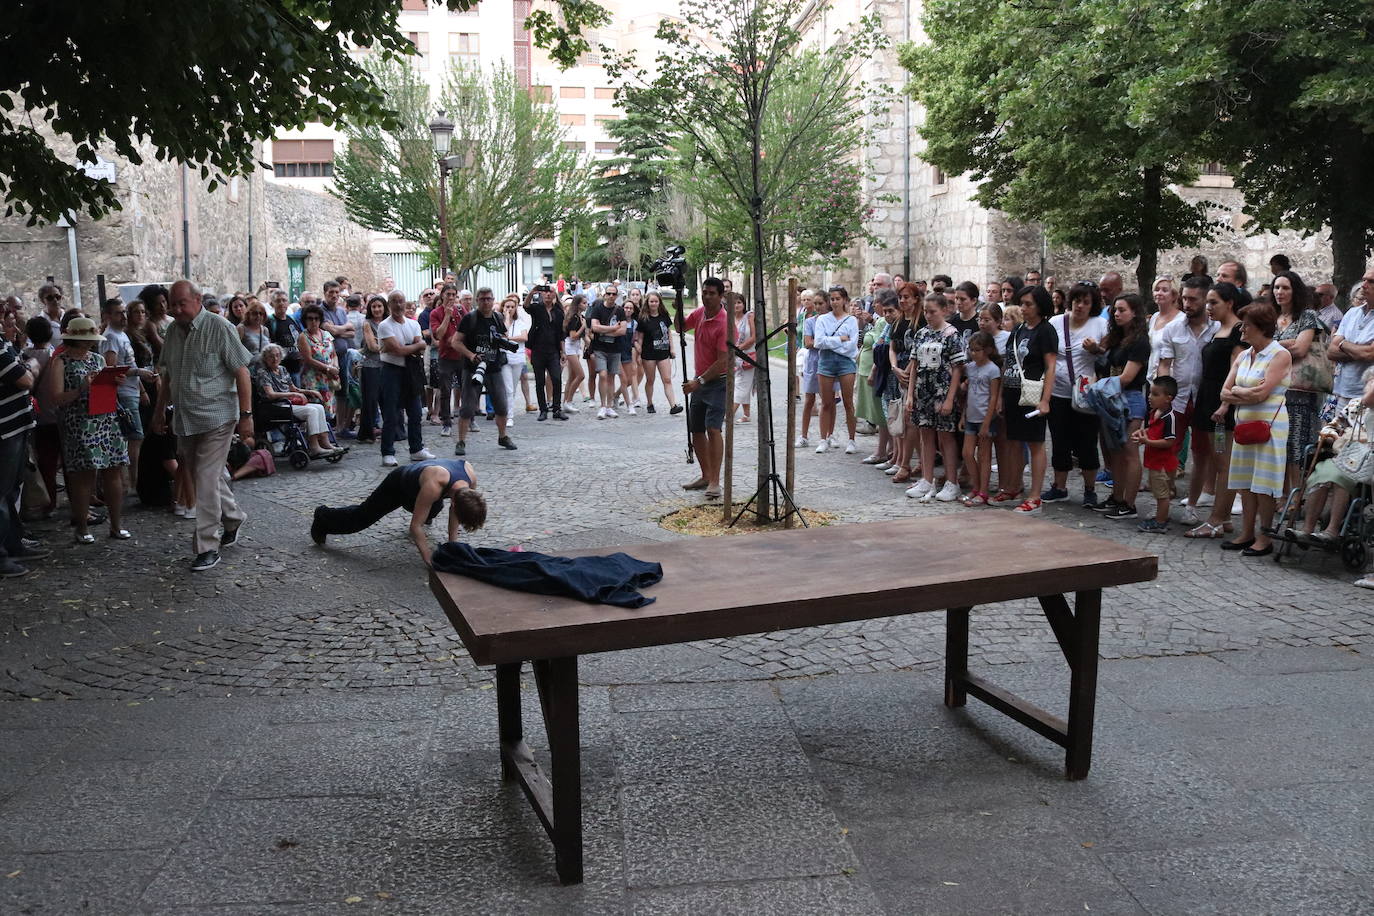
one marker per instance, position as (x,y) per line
(90,444)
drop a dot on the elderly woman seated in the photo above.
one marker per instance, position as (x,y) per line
(1327,480)
(277,400)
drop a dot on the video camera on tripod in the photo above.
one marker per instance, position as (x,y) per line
(671,270)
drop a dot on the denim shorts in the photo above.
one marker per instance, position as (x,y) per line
(606,362)
(835,364)
(708,407)
(1135,403)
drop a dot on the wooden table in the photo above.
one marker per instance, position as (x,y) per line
(736,585)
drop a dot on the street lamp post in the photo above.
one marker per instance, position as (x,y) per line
(441,132)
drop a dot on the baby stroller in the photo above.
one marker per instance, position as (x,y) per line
(1356,525)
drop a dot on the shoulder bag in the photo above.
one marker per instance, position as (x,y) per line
(1031,389)
(1080,383)
(1314,371)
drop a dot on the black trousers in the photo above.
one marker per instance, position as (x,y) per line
(387,498)
(1072,435)
(542,361)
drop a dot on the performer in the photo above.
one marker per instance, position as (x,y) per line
(420,487)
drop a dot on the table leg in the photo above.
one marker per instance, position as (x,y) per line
(956,656)
(1083,683)
(556,679)
(509,726)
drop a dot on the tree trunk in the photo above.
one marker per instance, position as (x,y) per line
(1152,195)
(1352,153)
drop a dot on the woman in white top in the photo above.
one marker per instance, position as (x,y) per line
(1168,311)
(1073,435)
(836,336)
(517,331)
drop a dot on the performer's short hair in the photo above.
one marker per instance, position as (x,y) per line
(471,508)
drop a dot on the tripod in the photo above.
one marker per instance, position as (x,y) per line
(778,490)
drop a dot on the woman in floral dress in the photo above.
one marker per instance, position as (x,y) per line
(90,444)
(319,365)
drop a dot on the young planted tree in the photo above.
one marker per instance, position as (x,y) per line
(200,82)
(632,193)
(1038,103)
(768,130)
(515,181)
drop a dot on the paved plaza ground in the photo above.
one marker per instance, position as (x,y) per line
(299,731)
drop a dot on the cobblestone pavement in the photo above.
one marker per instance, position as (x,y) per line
(126,619)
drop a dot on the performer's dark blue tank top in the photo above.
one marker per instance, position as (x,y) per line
(410,477)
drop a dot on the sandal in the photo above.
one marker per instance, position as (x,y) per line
(86,538)
(1004,496)
(120,534)
(902,476)
(974,500)
(713,494)
(1205,530)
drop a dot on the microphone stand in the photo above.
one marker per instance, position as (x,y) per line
(682,347)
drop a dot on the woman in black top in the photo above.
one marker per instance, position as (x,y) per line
(1224,300)
(1125,353)
(1032,350)
(656,350)
(899,354)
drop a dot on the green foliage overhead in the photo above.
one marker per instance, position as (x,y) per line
(516,181)
(632,196)
(734,77)
(1293,89)
(200,82)
(1036,102)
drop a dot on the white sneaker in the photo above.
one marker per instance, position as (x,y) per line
(178,510)
(1205,500)
(921,490)
(601,414)
(570,408)
(823,447)
(610,412)
(801,442)
(510,422)
(388,461)
(188,512)
(632,410)
(882,465)
(1190,518)
(949,492)
(892,469)
(834,441)
(423,454)
(1237,507)
(851,448)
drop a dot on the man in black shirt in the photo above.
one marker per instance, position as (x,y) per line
(546,348)
(476,341)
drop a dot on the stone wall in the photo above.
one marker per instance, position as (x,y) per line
(144,241)
(301,219)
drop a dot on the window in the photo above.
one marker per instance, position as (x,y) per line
(603,119)
(414,6)
(572,92)
(938,178)
(1215,169)
(575,145)
(541,93)
(605,146)
(420,40)
(604,93)
(463,47)
(303,158)
(572,120)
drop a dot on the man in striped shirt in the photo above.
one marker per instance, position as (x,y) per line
(203,373)
(16,419)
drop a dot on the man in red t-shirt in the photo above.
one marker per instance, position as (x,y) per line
(707,389)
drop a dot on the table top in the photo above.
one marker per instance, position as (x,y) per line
(734,585)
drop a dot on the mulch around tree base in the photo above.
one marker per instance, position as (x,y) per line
(706,520)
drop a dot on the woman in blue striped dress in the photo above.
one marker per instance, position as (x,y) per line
(1257,386)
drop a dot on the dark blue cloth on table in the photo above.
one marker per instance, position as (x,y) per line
(613,579)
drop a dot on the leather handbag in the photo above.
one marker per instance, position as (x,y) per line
(1257,432)
(1031,389)
(1356,460)
(1314,371)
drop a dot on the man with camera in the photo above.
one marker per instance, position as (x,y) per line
(546,350)
(481,342)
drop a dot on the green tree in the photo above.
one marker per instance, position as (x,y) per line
(201,82)
(1036,103)
(767,127)
(1293,85)
(516,181)
(632,192)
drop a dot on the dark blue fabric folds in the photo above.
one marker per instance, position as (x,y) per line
(614,579)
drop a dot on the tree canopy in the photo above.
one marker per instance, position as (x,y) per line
(516,181)
(200,82)
(1036,102)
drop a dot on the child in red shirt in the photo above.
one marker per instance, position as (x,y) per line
(1160,439)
